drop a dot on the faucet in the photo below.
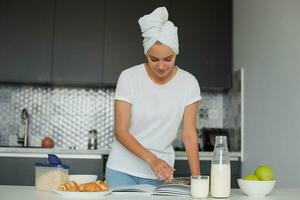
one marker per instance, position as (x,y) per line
(24,122)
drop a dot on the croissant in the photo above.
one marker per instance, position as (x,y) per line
(103,185)
(90,187)
(72,186)
(69,186)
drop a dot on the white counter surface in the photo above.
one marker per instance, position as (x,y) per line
(29,193)
(83,153)
(60,152)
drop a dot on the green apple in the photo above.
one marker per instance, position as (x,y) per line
(265,173)
(251,177)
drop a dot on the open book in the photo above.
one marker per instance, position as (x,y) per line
(167,189)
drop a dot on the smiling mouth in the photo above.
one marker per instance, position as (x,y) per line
(161,72)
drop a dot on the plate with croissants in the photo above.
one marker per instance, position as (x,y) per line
(87,190)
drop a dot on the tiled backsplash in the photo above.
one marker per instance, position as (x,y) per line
(210,112)
(67,114)
(232,101)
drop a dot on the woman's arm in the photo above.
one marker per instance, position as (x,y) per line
(190,138)
(161,169)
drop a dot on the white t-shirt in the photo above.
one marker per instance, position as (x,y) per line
(156,113)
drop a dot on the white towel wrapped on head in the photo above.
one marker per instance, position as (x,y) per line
(156,27)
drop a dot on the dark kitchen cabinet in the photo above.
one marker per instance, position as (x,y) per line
(26,36)
(78,42)
(205,40)
(21,170)
(123,39)
(182,169)
(89,42)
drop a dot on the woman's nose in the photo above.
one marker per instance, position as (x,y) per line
(161,65)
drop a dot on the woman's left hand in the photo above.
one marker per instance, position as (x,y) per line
(162,170)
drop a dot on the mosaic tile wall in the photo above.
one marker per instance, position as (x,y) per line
(67,114)
(232,112)
(210,112)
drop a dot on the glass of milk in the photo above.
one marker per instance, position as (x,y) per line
(199,186)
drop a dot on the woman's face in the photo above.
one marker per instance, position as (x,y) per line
(161,60)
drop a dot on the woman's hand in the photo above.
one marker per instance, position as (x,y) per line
(162,170)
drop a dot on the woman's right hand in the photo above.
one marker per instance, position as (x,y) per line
(162,170)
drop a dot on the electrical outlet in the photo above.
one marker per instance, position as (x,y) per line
(213,114)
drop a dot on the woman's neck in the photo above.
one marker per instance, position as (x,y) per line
(159,80)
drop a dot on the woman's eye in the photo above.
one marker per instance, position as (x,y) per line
(154,60)
(168,60)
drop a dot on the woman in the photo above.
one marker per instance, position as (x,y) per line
(151,100)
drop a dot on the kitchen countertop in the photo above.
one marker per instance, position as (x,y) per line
(29,193)
(84,153)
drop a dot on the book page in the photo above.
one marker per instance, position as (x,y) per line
(172,189)
(167,189)
(135,188)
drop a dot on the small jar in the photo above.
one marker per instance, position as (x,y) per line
(92,143)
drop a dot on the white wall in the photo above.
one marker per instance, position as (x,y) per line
(267,44)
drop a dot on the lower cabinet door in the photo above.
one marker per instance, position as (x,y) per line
(21,171)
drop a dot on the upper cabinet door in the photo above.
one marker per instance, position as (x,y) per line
(123,38)
(78,42)
(205,40)
(26,34)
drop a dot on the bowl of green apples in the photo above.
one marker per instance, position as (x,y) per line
(260,183)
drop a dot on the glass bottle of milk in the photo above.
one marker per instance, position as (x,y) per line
(220,169)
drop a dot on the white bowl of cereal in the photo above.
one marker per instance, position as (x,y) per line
(83,178)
